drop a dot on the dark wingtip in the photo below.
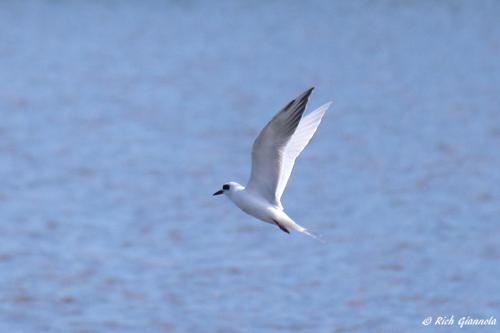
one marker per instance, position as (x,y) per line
(307,92)
(301,99)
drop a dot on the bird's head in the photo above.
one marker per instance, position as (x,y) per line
(229,188)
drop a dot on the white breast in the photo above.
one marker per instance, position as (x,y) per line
(254,205)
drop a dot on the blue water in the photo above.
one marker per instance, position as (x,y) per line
(119,119)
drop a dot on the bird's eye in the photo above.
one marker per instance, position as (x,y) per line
(225,187)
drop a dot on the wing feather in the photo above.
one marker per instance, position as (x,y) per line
(278,145)
(299,140)
(268,148)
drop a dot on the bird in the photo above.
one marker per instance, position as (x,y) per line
(274,152)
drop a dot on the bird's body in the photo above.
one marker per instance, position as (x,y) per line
(255,205)
(273,156)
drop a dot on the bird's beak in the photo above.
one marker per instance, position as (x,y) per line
(219,192)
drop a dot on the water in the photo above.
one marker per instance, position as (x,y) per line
(120,119)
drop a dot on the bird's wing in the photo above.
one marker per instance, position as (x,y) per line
(278,145)
(299,140)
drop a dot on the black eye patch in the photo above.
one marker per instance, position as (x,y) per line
(225,187)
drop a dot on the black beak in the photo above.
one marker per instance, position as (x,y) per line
(219,192)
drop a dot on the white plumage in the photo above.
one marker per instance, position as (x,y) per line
(273,156)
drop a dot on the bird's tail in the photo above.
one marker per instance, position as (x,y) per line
(289,223)
(310,234)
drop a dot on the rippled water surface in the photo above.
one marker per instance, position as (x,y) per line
(119,119)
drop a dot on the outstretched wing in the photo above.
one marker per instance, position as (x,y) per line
(278,145)
(299,140)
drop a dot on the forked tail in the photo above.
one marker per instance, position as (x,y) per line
(312,235)
(285,222)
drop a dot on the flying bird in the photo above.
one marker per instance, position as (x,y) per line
(273,156)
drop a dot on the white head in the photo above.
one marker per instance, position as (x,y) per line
(229,189)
